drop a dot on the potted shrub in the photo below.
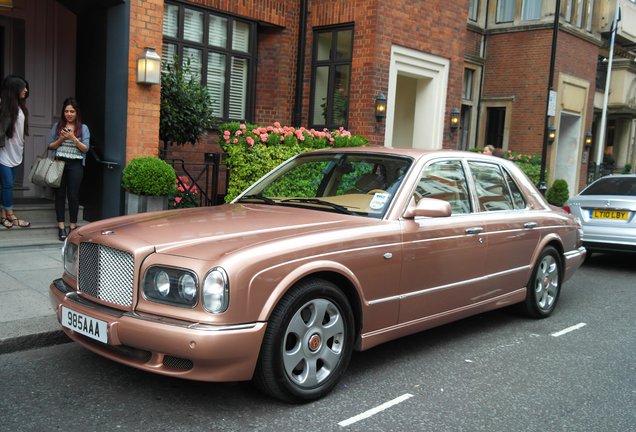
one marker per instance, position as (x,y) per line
(558,194)
(148,181)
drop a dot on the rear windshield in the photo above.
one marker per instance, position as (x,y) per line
(612,186)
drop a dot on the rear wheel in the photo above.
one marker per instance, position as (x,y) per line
(308,343)
(544,286)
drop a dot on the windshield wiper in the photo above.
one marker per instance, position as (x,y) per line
(339,208)
(257,198)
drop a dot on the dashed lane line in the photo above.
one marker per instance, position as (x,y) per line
(375,410)
(568,330)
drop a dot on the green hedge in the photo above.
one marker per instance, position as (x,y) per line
(253,151)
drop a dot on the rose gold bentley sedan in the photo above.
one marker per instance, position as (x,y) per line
(333,251)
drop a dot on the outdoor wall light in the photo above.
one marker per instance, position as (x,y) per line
(149,67)
(380,106)
(454,119)
(551,134)
(588,140)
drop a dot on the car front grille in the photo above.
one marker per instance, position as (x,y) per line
(106,273)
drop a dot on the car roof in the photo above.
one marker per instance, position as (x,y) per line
(412,152)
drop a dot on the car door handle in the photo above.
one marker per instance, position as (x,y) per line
(530,225)
(474,230)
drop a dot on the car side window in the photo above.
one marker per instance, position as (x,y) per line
(517,196)
(445,180)
(491,187)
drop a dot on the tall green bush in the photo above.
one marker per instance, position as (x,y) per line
(558,193)
(186,107)
(253,151)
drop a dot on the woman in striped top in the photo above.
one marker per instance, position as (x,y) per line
(70,139)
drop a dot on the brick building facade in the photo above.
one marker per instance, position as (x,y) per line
(323,63)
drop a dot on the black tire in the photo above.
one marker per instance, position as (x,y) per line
(308,343)
(544,285)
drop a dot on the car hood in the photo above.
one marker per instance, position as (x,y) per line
(231,227)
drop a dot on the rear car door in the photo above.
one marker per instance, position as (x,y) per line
(511,227)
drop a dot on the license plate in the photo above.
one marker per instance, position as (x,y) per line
(609,214)
(83,324)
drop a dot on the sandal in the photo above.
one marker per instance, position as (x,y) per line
(19,222)
(7,223)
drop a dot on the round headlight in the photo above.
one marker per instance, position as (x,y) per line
(162,283)
(187,287)
(215,291)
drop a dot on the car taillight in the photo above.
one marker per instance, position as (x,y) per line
(567,208)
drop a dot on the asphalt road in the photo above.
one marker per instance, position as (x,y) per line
(574,371)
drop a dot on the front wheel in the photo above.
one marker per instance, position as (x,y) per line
(544,285)
(308,343)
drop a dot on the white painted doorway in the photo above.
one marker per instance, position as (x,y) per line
(568,151)
(416,99)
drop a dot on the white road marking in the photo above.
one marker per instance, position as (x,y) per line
(375,410)
(568,330)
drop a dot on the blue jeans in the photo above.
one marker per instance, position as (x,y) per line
(7,175)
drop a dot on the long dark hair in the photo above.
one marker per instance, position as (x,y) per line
(10,102)
(78,117)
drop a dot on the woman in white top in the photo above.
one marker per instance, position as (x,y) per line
(14,115)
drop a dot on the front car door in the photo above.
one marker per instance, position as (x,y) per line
(444,258)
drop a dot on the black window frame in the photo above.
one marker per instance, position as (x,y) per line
(332,63)
(251,56)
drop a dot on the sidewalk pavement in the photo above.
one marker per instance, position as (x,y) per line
(27,319)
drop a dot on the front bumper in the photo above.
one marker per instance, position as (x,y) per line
(182,349)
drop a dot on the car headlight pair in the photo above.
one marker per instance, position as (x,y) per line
(180,287)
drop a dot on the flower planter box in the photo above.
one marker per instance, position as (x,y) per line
(144,203)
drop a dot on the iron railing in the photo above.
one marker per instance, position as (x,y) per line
(605,168)
(198,183)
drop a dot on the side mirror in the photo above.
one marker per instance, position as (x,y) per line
(429,207)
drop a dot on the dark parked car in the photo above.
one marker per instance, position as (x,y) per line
(607,211)
(334,251)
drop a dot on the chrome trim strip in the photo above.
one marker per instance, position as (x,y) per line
(72,296)
(420,320)
(574,253)
(447,286)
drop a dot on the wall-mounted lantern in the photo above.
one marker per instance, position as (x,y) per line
(380,106)
(454,119)
(551,134)
(588,140)
(149,67)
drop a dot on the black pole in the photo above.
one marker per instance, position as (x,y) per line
(544,150)
(300,64)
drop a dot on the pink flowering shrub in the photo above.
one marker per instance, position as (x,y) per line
(253,151)
(187,194)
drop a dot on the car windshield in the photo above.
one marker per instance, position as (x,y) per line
(612,186)
(348,183)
